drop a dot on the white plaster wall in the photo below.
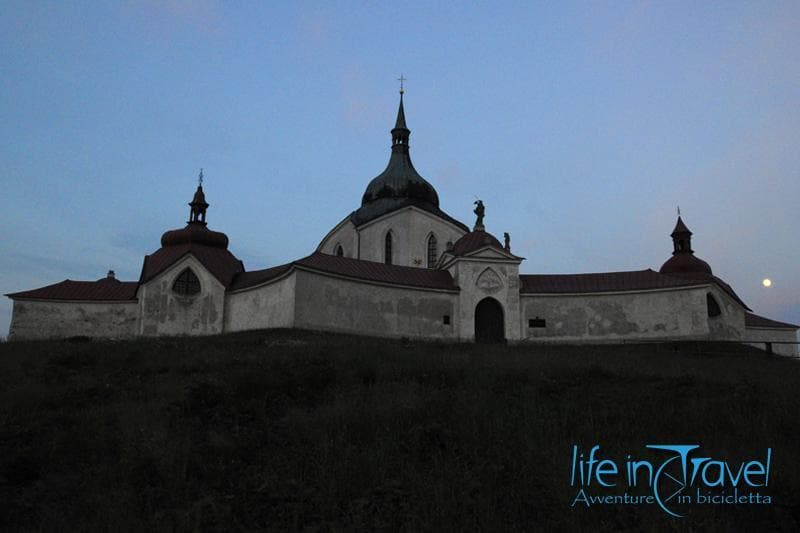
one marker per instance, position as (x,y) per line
(336,304)
(410,229)
(267,306)
(730,324)
(468,276)
(38,319)
(669,314)
(346,235)
(165,313)
(773,335)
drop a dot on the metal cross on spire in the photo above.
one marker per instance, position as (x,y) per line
(402,79)
(200,178)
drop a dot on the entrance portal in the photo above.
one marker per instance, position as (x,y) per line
(489,326)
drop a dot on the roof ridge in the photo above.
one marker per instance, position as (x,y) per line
(69,289)
(768,322)
(598,273)
(378,272)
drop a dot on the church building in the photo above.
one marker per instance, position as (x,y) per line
(398,266)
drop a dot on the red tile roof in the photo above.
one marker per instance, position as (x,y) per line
(106,289)
(256,277)
(751,320)
(709,278)
(600,282)
(617,282)
(727,288)
(219,261)
(352,268)
(380,272)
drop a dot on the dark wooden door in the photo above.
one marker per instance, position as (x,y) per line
(489,325)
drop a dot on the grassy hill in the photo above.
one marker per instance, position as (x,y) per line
(298,430)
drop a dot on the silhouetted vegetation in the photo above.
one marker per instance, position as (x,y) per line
(298,430)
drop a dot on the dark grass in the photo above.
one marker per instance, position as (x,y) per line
(297,430)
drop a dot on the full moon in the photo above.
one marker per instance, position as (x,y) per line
(767,282)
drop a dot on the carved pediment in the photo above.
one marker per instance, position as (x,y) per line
(488,253)
(489,281)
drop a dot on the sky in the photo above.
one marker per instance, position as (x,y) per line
(582,126)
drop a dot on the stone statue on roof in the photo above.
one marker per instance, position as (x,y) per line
(479,210)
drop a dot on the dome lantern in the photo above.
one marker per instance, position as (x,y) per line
(196,231)
(683,260)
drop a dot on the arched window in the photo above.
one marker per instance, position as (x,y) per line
(339,250)
(387,248)
(712,306)
(186,284)
(433,252)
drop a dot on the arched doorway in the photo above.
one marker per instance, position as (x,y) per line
(489,325)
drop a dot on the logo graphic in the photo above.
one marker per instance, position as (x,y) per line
(684,477)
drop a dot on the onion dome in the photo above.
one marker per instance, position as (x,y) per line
(399,185)
(683,260)
(110,278)
(400,179)
(196,231)
(195,234)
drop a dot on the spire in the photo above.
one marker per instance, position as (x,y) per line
(196,231)
(400,133)
(681,238)
(400,123)
(198,205)
(399,184)
(680,228)
(683,261)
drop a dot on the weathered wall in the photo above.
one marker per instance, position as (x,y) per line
(730,324)
(164,312)
(410,230)
(667,314)
(50,319)
(773,335)
(481,278)
(267,306)
(345,234)
(334,304)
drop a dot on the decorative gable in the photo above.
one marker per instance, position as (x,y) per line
(490,253)
(489,281)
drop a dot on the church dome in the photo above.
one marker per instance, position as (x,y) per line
(685,264)
(399,185)
(683,260)
(475,240)
(400,181)
(196,231)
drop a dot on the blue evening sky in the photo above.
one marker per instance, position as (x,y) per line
(581,125)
